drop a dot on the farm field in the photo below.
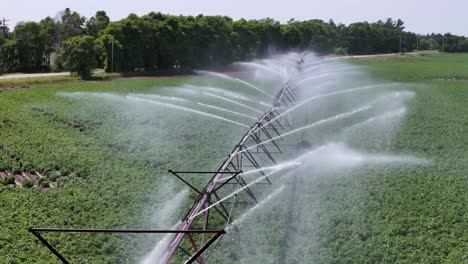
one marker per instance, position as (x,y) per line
(110,160)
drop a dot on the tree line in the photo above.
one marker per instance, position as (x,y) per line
(160,42)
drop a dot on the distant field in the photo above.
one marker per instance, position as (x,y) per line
(419,68)
(109,160)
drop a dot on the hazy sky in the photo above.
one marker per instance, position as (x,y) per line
(421,16)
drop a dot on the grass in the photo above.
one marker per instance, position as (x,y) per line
(113,158)
(102,76)
(13,83)
(33,81)
(420,215)
(418,68)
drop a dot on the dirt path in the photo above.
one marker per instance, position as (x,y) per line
(38,75)
(33,75)
(383,55)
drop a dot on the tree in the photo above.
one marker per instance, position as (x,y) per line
(51,31)
(269,35)
(160,42)
(97,23)
(30,45)
(71,24)
(4,32)
(453,43)
(291,36)
(9,57)
(79,55)
(245,39)
(133,41)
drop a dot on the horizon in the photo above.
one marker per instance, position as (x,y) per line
(361,11)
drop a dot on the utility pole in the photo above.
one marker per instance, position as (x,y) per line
(4,26)
(417,42)
(400,42)
(112,56)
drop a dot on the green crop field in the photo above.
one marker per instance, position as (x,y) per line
(420,216)
(110,162)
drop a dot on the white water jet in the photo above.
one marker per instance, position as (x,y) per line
(335,156)
(382,117)
(226,110)
(284,166)
(236,223)
(386,98)
(187,110)
(310,69)
(312,78)
(259,66)
(280,166)
(162,218)
(234,102)
(321,122)
(203,89)
(273,64)
(159,97)
(79,95)
(317,97)
(264,104)
(156,254)
(330,156)
(224,76)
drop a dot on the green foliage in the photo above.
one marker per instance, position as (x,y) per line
(97,23)
(414,215)
(70,24)
(9,180)
(51,30)
(79,55)
(30,47)
(160,42)
(452,43)
(340,51)
(378,37)
(44,183)
(291,35)
(31,44)
(105,169)
(28,183)
(9,55)
(53,175)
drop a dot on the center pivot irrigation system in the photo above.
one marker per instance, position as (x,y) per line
(256,151)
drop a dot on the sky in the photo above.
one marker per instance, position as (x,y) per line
(420,16)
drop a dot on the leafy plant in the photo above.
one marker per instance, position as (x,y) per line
(44,183)
(9,180)
(28,183)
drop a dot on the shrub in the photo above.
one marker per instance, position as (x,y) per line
(9,180)
(44,183)
(53,175)
(28,183)
(79,55)
(341,51)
